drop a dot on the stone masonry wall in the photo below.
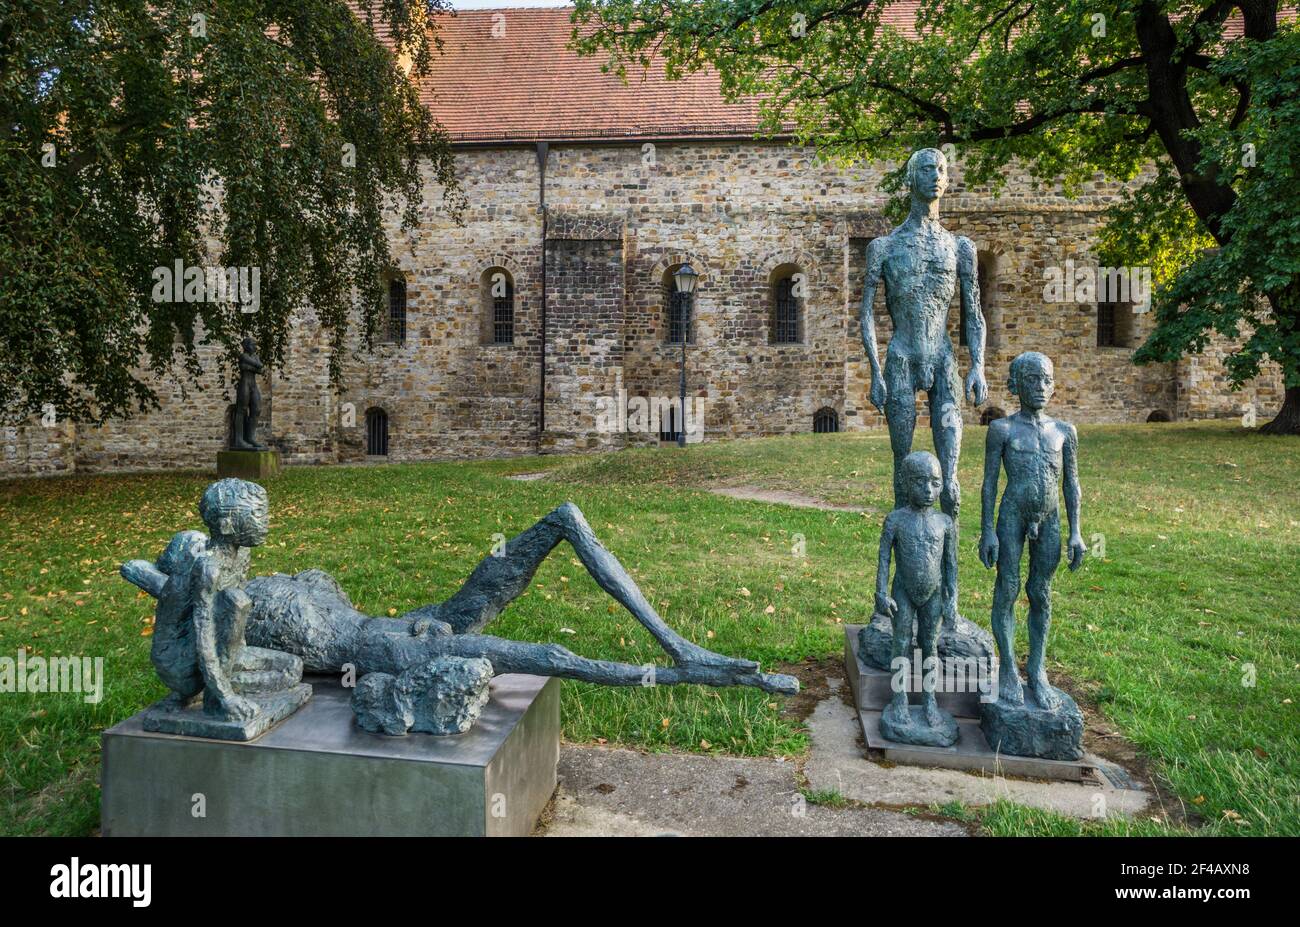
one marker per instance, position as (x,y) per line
(619,218)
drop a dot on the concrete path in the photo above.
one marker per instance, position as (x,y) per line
(781,497)
(612,792)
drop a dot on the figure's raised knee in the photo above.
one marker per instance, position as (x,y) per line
(569,512)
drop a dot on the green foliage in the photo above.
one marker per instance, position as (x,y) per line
(135,133)
(1143,92)
(1230,287)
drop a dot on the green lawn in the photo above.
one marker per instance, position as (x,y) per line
(1195,596)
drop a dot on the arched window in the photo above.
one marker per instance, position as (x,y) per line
(376,433)
(826,421)
(1159,415)
(396,329)
(785,316)
(679,310)
(497,289)
(991,414)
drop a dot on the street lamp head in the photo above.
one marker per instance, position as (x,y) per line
(685,278)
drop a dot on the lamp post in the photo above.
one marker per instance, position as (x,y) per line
(684,278)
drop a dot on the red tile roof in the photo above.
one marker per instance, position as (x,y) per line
(528,85)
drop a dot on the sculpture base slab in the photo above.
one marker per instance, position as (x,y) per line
(972,751)
(965,641)
(191,721)
(248,465)
(318,774)
(1031,730)
(874,687)
(912,728)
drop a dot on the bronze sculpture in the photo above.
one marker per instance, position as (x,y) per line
(248,401)
(1040,456)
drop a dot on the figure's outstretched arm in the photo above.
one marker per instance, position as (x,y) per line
(950,569)
(1073,494)
(993,445)
(867,318)
(501,578)
(968,281)
(144,574)
(884,604)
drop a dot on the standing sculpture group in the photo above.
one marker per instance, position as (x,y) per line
(922,266)
(232,650)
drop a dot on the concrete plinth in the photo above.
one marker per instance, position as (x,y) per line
(248,465)
(873,687)
(972,751)
(318,774)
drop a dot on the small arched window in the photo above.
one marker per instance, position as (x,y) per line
(991,415)
(788,288)
(826,421)
(679,310)
(497,289)
(376,433)
(396,328)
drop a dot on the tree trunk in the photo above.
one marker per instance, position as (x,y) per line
(1288,420)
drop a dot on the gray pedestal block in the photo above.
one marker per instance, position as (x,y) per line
(318,774)
(874,687)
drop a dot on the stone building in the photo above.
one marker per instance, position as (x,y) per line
(544,320)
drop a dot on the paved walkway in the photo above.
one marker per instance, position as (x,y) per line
(614,792)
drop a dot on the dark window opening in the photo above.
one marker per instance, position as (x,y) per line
(826,421)
(680,312)
(669,429)
(1107,325)
(503,312)
(376,433)
(785,312)
(1159,415)
(396,310)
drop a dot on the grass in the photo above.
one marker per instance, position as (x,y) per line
(1184,634)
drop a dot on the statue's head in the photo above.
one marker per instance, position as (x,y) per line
(1032,379)
(922,479)
(236,510)
(249,344)
(927,174)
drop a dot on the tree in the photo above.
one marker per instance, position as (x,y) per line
(1155,93)
(135,132)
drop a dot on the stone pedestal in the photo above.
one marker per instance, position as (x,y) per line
(1032,730)
(248,465)
(965,641)
(191,720)
(318,774)
(971,751)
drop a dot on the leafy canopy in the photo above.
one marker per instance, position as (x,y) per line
(268,134)
(1158,94)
